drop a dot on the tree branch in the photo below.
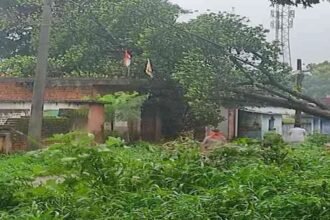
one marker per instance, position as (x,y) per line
(282,87)
(281,102)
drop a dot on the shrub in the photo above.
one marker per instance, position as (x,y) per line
(246,141)
(274,149)
(143,181)
(115,142)
(318,139)
(272,139)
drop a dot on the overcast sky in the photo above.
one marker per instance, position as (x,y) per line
(310,36)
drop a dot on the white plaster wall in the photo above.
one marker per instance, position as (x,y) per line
(47,106)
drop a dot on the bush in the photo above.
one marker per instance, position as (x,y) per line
(246,141)
(274,148)
(115,142)
(272,139)
(84,181)
(318,139)
(227,156)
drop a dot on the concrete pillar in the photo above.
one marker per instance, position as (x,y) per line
(96,119)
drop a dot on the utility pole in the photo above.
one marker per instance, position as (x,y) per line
(40,80)
(299,81)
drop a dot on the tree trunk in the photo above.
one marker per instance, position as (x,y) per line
(280,102)
(297,119)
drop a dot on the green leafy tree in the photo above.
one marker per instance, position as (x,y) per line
(233,64)
(18,65)
(87,40)
(17,26)
(123,106)
(318,84)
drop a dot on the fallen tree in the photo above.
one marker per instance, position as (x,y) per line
(234,65)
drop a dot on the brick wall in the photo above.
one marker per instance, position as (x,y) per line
(68,89)
(14,91)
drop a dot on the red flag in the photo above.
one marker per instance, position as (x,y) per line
(127,58)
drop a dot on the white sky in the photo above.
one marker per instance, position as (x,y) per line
(310,36)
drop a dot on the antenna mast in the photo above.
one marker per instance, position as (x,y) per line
(282,23)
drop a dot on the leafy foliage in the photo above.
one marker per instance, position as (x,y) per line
(319,139)
(273,139)
(18,66)
(123,106)
(234,65)
(116,181)
(317,85)
(199,86)
(274,148)
(86,39)
(222,72)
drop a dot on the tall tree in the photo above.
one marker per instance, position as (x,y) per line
(318,84)
(86,39)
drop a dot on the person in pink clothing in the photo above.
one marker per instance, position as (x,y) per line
(212,137)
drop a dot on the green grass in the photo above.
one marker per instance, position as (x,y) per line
(173,182)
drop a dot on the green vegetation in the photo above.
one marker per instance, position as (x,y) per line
(88,38)
(123,105)
(74,179)
(317,85)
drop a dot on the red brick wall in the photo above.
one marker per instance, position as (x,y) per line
(12,91)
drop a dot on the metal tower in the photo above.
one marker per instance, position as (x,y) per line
(282,23)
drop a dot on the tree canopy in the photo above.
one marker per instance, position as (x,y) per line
(318,84)
(236,66)
(86,38)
